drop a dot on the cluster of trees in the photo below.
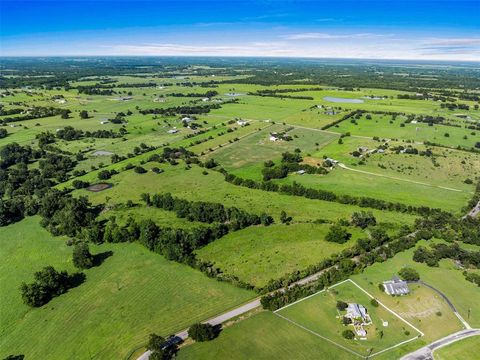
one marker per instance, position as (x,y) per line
(173,111)
(95,90)
(472,277)
(48,284)
(443,251)
(208,94)
(297,189)
(12,111)
(207,212)
(69,133)
(453,106)
(36,112)
(171,155)
(290,162)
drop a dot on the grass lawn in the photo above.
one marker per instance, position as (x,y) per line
(318,313)
(264,336)
(133,293)
(466,349)
(259,254)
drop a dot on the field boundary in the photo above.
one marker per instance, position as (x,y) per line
(340,345)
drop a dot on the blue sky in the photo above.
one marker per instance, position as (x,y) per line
(401,29)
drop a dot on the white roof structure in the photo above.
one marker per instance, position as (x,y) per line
(357,311)
(396,286)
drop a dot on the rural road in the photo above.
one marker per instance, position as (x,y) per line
(475,211)
(426,353)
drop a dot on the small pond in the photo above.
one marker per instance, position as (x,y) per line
(342,100)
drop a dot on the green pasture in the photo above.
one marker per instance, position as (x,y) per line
(132,294)
(259,254)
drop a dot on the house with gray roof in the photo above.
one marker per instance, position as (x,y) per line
(396,287)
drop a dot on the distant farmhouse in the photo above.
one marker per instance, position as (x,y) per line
(396,287)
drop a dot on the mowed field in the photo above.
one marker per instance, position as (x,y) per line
(132,294)
(264,336)
(466,349)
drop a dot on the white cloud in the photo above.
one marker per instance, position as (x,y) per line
(326,36)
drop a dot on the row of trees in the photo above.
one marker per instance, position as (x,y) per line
(297,189)
(207,212)
(443,251)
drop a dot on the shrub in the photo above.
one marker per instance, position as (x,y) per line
(341,305)
(348,334)
(140,170)
(374,302)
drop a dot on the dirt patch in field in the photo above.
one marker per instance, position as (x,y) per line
(99,187)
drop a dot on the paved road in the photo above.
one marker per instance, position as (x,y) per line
(475,211)
(426,353)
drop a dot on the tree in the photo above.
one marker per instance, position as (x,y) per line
(160,349)
(409,274)
(348,334)
(363,219)
(83,114)
(82,258)
(201,332)
(337,234)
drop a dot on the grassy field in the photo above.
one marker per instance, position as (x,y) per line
(466,349)
(133,293)
(258,254)
(382,126)
(264,336)
(319,314)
